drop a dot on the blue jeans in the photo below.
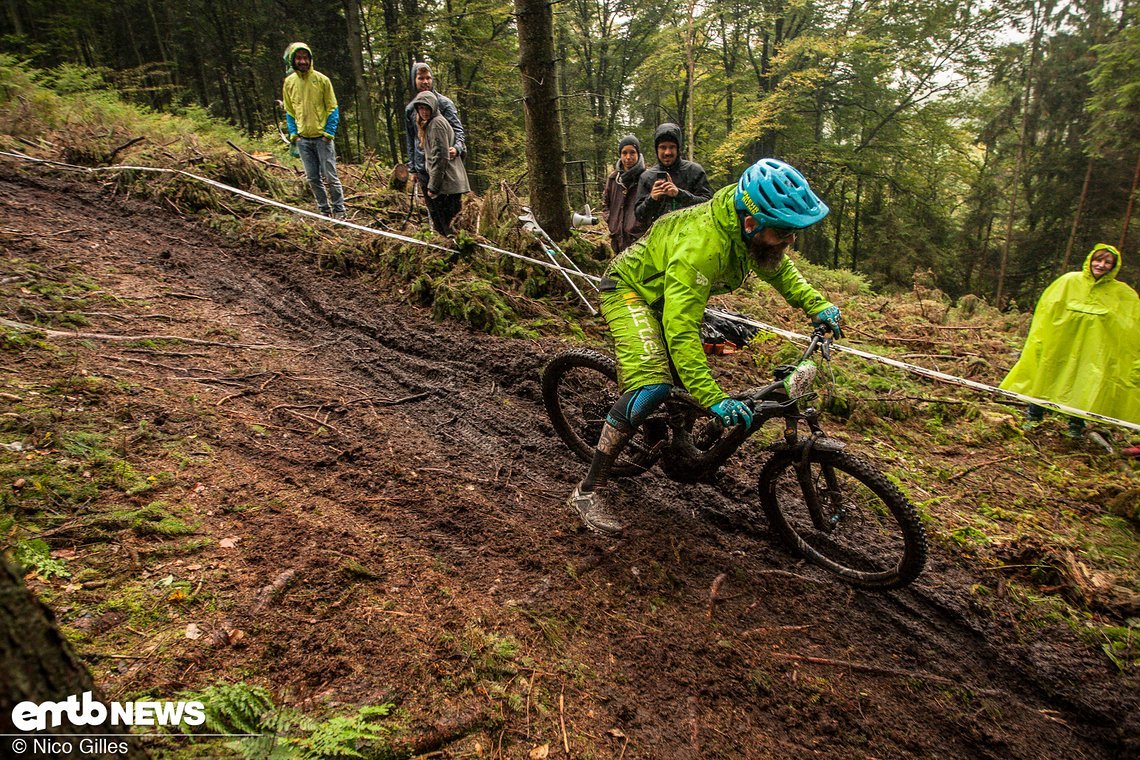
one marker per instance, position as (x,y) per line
(319,158)
(1037,413)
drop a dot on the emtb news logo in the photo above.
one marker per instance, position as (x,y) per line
(84,711)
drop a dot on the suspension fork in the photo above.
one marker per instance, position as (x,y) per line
(826,508)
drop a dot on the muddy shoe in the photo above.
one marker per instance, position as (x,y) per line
(1099,441)
(593,513)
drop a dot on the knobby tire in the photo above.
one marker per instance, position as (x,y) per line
(578,389)
(839,512)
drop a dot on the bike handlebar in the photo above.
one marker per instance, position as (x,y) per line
(821,340)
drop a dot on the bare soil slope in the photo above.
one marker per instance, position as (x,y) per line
(399,481)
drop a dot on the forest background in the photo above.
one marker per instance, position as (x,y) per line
(991,143)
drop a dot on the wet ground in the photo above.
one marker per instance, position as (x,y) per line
(399,480)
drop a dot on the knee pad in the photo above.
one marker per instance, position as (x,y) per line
(635,406)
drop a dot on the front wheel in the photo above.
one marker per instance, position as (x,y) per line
(839,512)
(579,387)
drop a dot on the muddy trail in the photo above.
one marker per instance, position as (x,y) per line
(424,554)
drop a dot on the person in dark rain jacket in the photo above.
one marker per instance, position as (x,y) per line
(673,183)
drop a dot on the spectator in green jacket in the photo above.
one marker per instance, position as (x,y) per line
(1082,350)
(312,115)
(654,297)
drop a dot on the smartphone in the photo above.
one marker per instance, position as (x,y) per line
(662,175)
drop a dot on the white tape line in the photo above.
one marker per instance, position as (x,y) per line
(912,368)
(303,212)
(934,374)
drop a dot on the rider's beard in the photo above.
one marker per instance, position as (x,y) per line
(765,255)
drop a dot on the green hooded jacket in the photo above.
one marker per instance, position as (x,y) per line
(310,104)
(686,257)
(1083,348)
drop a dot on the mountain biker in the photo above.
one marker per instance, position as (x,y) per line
(654,296)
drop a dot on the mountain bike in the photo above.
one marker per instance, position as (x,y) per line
(831,506)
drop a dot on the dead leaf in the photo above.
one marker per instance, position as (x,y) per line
(192,631)
(616,732)
(177,595)
(229,542)
(538,753)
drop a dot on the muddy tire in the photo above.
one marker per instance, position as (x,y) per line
(578,389)
(839,512)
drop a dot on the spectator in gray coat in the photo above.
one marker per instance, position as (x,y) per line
(621,193)
(446,175)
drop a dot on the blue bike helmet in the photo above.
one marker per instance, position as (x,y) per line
(776,195)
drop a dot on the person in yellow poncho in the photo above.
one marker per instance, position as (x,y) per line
(1083,348)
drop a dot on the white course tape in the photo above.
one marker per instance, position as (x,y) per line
(912,368)
(293,209)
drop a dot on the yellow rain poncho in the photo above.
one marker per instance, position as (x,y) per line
(1083,348)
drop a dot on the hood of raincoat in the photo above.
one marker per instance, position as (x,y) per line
(1111,274)
(427,98)
(1081,349)
(292,51)
(667,131)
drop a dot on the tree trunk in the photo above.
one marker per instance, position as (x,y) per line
(1035,34)
(690,77)
(364,113)
(1128,210)
(1077,218)
(15,17)
(544,152)
(37,665)
(855,233)
(839,224)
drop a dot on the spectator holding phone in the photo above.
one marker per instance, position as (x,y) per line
(673,182)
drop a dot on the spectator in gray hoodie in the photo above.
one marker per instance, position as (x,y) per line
(422,82)
(446,175)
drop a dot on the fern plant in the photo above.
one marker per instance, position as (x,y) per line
(283,733)
(337,737)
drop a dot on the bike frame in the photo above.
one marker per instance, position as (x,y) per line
(767,402)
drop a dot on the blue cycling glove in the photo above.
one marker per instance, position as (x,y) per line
(830,317)
(732,412)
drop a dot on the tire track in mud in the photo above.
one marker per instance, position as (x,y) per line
(919,625)
(483,418)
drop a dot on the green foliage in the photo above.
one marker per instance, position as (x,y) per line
(35,554)
(241,708)
(340,735)
(238,708)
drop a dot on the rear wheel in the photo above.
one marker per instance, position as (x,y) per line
(837,511)
(579,387)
